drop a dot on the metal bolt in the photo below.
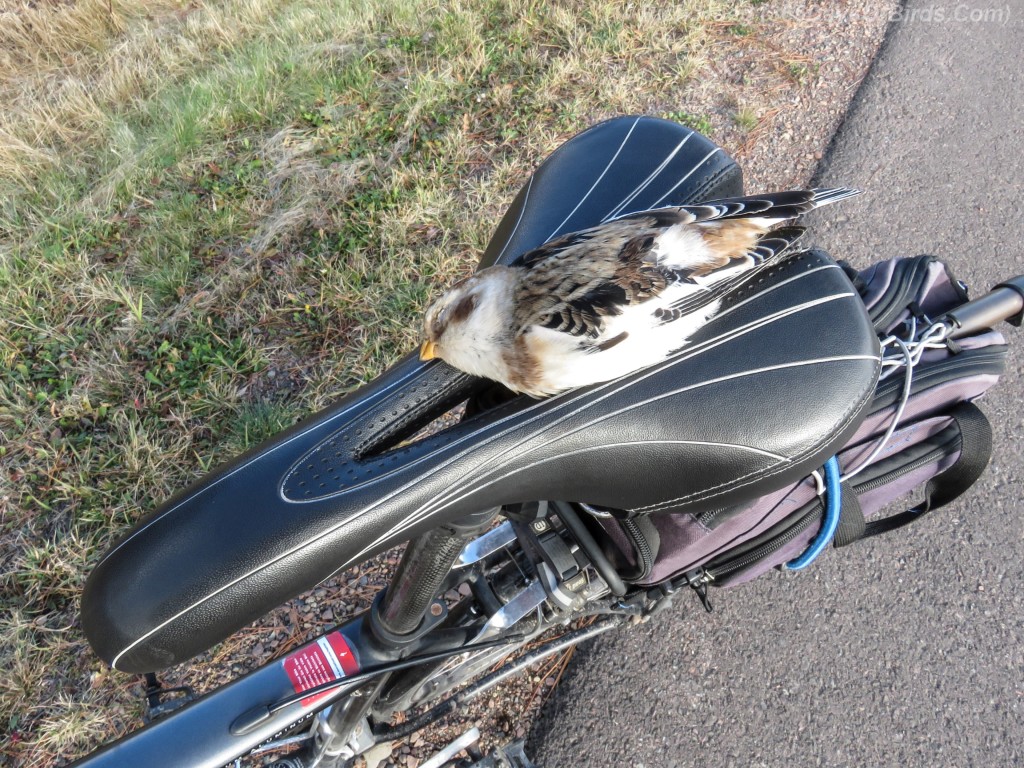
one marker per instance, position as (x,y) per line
(436,609)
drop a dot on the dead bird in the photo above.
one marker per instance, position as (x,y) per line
(594,305)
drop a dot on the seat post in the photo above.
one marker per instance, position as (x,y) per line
(425,564)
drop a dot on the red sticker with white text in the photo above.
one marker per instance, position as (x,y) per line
(324,661)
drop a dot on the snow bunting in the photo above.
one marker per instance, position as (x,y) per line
(595,305)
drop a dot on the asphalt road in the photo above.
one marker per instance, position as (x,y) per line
(904,650)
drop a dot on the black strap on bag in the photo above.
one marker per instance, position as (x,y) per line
(851,518)
(975,452)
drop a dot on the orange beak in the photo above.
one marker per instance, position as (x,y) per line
(428,351)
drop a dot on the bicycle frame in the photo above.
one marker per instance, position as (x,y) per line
(334,681)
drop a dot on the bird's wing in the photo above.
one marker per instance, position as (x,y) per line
(573,283)
(719,236)
(774,207)
(770,249)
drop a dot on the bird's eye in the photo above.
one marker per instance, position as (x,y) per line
(464,308)
(440,322)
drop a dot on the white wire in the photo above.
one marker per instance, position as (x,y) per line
(911,352)
(932,338)
(896,417)
(819,483)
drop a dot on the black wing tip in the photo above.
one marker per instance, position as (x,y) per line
(778,242)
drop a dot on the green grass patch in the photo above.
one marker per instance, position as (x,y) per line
(746,118)
(699,123)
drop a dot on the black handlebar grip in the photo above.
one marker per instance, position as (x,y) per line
(1004,302)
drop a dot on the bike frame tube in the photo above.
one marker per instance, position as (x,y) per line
(227,723)
(199,735)
(426,563)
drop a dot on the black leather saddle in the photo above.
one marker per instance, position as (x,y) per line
(766,392)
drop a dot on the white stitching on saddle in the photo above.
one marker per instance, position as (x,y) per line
(778,457)
(607,390)
(765,292)
(617,210)
(711,154)
(707,491)
(471,490)
(594,185)
(239,468)
(522,212)
(710,344)
(446,499)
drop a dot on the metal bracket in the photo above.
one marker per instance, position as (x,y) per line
(554,560)
(158,702)
(487,544)
(519,606)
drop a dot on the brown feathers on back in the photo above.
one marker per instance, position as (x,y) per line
(577,280)
(727,239)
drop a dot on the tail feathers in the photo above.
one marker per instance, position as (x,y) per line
(772,208)
(826,196)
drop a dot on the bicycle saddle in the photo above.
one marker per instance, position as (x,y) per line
(764,394)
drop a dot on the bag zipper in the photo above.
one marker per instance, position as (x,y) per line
(645,555)
(989,360)
(934,455)
(907,283)
(769,547)
(699,578)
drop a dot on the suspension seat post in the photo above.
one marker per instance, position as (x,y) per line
(421,573)
(398,614)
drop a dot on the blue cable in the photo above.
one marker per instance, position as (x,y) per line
(833,503)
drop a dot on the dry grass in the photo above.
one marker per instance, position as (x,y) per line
(218,216)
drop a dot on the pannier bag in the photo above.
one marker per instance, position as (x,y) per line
(928,434)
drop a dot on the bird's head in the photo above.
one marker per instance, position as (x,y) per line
(470,324)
